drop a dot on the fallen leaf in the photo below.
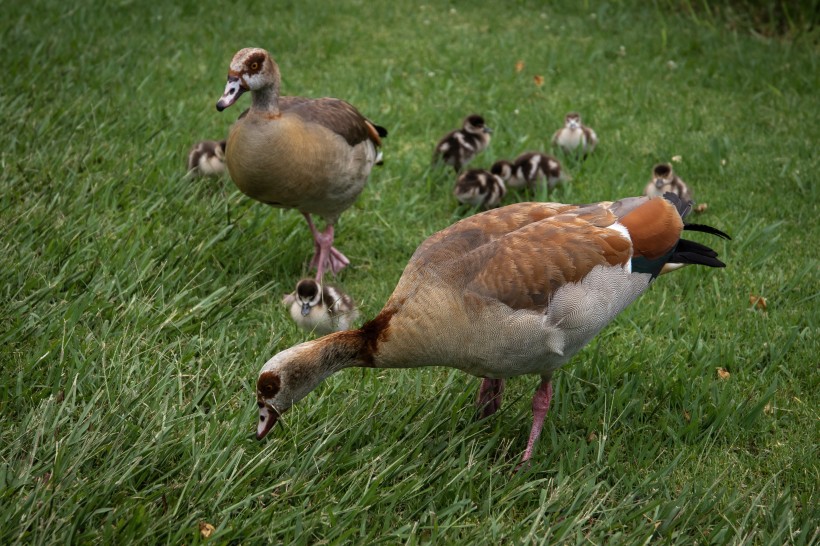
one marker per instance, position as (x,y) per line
(701,207)
(539,80)
(768,409)
(206,529)
(519,66)
(591,437)
(758,302)
(723,373)
(687,416)
(677,158)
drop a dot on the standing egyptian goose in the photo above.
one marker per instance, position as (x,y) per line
(574,137)
(665,180)
(478,187)
(513,291)
(313,155)
(207,158)
(531,168)
(459,147)
(320,308)
(503,169)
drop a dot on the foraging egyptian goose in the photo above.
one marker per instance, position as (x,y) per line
(313,155)
(503,169)
(207,158)
(478,187)
(574,136)
(665,180)
(530,168)
(459,147)
(513,291)
(320,308)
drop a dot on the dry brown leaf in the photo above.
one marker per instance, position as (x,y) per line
(591,437)
(758,302)
(539,80)
(723,373)
(206,529)
(687,416)
(701,207)
(519,66)
(768,409)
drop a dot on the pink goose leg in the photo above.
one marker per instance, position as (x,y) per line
(325,255)
(540,406)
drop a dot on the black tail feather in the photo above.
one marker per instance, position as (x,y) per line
(690,252)
(706,229)
(685,245)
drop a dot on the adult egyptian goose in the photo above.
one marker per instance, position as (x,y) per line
(313,155)
(665,180)
(513,291)
(478,187)
(459,147)
(574,137)
(320,308)
(207,158)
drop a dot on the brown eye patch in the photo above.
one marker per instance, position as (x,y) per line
(255,62)
(268,385)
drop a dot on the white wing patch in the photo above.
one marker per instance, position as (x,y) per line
(620,228)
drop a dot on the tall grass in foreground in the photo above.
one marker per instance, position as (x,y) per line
(136,305)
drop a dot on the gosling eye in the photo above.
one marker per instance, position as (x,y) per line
(254,65)
(260,405)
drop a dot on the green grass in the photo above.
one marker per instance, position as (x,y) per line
(136,305)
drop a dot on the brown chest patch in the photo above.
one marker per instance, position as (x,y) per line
(374,332)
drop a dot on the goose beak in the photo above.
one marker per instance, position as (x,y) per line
(305,309)
(233,90)
(267,418)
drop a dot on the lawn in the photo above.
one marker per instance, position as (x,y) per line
(137,305)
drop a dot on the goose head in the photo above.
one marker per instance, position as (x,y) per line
(252,69)
(293,373)
(284,380)
(475,124)
(308,294)
(661,174)
(573,121)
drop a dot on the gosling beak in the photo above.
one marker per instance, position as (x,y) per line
(487,130)
(305,309)
(233,90)
(267,418)
(659,183)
